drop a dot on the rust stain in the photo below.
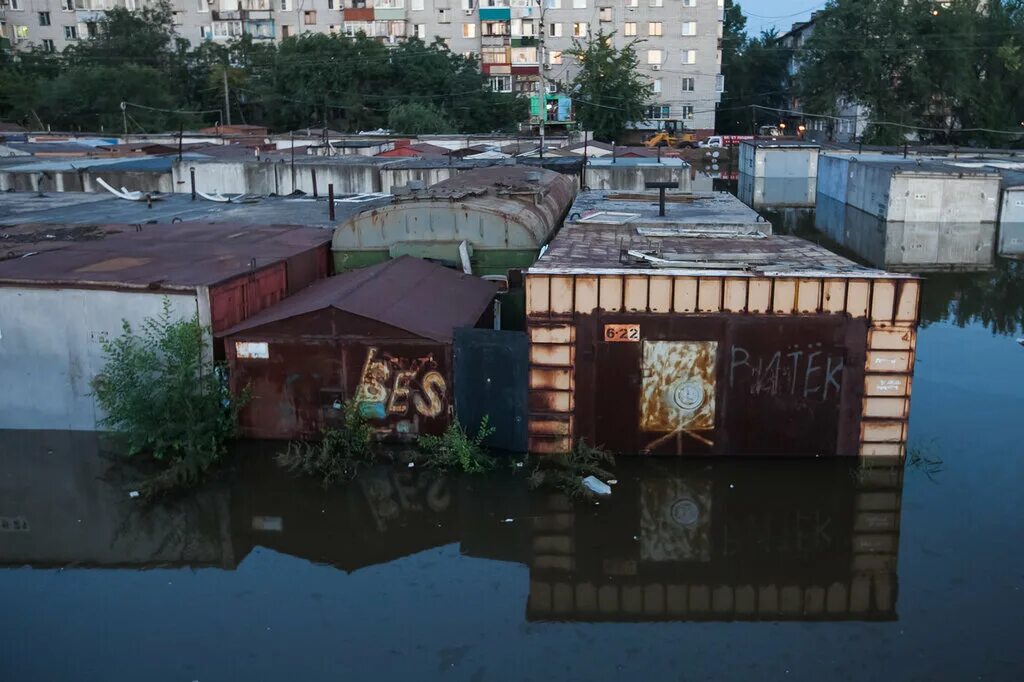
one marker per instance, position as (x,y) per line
(678,391)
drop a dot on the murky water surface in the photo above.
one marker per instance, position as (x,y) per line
(714,569)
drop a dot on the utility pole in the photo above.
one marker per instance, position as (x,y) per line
(540,80)
(124,118)
(227,102)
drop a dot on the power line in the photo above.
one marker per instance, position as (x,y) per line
(891,123)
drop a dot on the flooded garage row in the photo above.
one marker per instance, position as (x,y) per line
(701,569)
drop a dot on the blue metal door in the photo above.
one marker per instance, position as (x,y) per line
(490,371)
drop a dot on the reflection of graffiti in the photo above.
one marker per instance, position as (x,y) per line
(389,385)
(807,373)
(394,495)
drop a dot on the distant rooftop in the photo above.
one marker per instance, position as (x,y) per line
(79,208)
(174,256)
(691,211)
(608,249)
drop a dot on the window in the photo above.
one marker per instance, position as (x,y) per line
(416,5)
(16,4)
(656,85)
(554,4)
(689,28)
(421,31)
(333,30)
(286,31)
(493,55)
(489,28)
(657,3)
(629,28)
(284,5)
(44,18)
(719,83)
(654,56)
(555,30)
(528,29)
(579,4)
(524,55)
(309,17)
(202,6)
(632,3)
(206,32)
(654,28)
(391,4)
(688,111)
(689,3)
(658,111)
(69,5)
(689,56)
(579,29)
(469,30)
(70,32)
(444,16)
(688,84)
(555,57)
(227,29)
(501,84)
(604,14)
(48,45)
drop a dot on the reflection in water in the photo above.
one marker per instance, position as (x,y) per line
(716,539)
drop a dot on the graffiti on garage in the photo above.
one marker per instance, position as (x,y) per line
(392,386)
(807,372)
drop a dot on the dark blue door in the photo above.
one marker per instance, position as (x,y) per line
(491,379)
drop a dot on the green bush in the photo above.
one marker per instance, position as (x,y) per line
(162,392)
(339,454)
(455,449)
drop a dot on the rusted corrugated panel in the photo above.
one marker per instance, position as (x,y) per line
(749,384)
(239,299)
(424,298)
(402,388)
(306,268)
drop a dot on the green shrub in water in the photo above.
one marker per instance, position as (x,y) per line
(163,393)
(455,449)
(340,453)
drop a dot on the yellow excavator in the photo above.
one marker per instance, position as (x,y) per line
(672,134)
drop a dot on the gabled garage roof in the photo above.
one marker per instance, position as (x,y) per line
(408,293)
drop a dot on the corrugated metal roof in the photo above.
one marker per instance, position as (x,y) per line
(166,256)
(418,296)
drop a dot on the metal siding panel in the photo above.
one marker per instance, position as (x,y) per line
(784,296)
(551,378)
(887,385)
(586,294)
(610,293)
(899,362)
(560,333)
(709,295)
(834,297)
(660,294)
(635,294)
(883,298)
(735,298)
(561,295)
(882,450)
(906,305)
(808,295)
(537,295)
(857,292)
(883,431)
(886,408)
(551,354)
(684,297)
(890,338)
(759,295)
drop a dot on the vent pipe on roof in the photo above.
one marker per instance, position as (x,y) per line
(661,187)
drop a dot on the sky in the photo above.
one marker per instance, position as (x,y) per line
(781,15)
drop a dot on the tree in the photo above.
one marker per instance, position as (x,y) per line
(920,67)
(755,72)
(608,92)
(417,119)
(162,393)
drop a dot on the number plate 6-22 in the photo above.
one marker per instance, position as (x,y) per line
(622,333)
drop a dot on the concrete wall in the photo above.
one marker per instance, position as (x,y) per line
(396,177)
(48,361)
(270,177)
(632,178)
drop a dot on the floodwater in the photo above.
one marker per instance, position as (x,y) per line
(691,570)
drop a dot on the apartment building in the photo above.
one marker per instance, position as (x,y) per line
(520,42)
(850,120)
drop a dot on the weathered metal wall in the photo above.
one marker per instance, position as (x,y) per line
(51,350)
(403,386)
(802,366)
(632,177)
